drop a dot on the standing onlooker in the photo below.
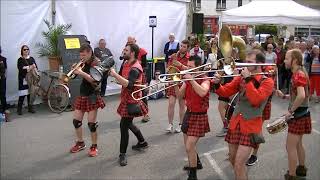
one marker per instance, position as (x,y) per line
(269,40)
(197,51)
(103,53)
(154,88)
(281,53)
(171,47)
(271,56)
(25,64)
(315,73)
(3,83)
(305,55)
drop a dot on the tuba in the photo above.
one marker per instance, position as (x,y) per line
(227,42)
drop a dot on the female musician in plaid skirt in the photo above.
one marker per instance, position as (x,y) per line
(89,101)
(195,122)
(129,108)
(300,124)
(246,122)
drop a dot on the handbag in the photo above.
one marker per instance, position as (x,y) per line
(134,109)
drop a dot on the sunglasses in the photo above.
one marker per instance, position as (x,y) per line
(25,49)
(157,74)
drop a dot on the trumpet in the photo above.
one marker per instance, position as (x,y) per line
(70,74)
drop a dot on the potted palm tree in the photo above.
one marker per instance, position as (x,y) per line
(50,47)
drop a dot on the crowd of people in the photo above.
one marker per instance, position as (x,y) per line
(297,65)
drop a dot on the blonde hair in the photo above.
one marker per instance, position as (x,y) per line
(297,55)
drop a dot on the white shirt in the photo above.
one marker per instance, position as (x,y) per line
(271,57)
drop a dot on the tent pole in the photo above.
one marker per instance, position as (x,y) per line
(53,12)
(309,31)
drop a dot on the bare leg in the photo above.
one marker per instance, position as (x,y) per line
(92,117)
(232,153)
(222,110)
(301,152)
(78,115)
(182,110)
(242,156)
(292,143)
(191,150)
(172,102)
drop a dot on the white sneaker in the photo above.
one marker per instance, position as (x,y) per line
(178,129)
(170,128)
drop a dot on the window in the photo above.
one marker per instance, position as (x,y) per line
(221,5)
(239,3)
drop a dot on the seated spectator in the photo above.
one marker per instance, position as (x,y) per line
(156,87)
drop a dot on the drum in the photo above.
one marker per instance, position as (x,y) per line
(96,73)
(231,106)
(277,125)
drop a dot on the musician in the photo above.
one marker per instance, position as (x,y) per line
(142,59)
(180,61)
(25,64)
(89,101)
(195,122)
(129,108)
(246,123)
(300,124)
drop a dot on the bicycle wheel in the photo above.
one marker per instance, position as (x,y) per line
(58,98)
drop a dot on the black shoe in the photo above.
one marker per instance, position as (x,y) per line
(288,177)
(301,171)
(30,109)
(140,146)
(252,160)
(192,174)
(187,167)
(19,111)
(123,159)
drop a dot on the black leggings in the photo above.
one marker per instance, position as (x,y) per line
(125,125)
(21,99)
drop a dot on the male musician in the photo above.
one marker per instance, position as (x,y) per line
(195,122)
(129,108)
(180,61)
(89,101)
(300,124)
(246,122)
(142,59)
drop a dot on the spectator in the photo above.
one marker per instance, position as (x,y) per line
(157,87)
(25,64)
(3,84)
(315,73)
(280,52)
(271,56)
(103,53)
(197,51)
(296,45)
(269,40)
(305,55)
(171,47)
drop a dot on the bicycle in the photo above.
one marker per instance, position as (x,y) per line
(57,94)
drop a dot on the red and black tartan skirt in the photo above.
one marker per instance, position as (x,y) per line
(83,104)
(266,111)
(300,126)
(171,91)
(195,124)
(236,137)
(123,109)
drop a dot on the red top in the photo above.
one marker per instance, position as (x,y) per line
(183,60)
(194,102)
(142,52)
(255,97)
(125,92)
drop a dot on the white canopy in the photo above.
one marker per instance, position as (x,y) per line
(284,12)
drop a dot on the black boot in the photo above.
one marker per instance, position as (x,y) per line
(199,165)
(31,109)
(193,173)
(19,109)
(123,159)
(289,177)
(301,171)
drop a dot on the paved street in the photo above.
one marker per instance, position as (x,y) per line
(36,146)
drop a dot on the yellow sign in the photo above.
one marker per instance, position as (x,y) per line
(72,43)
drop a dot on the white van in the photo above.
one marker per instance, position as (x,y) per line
(263,38)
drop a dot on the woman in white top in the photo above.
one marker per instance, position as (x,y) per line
(156,87)
(271,56)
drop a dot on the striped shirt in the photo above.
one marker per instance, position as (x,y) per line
(315,67)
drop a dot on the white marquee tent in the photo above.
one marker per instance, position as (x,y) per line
(22,23)
(282,12)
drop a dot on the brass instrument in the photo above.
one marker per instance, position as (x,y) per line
(70,74)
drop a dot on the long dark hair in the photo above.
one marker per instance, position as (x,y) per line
(22,47)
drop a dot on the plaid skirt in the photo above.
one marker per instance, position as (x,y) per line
(236,137)
(300,126)
(266,111)
(123,109)
(195,124)
(171,91)
(83,104)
